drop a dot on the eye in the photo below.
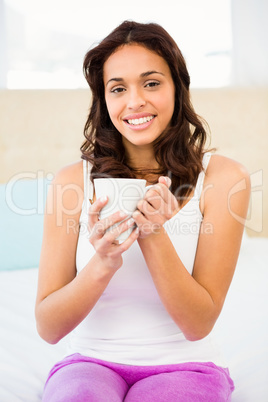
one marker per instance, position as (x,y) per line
(117,90)
(152,84)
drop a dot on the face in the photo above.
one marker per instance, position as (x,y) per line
(139,94)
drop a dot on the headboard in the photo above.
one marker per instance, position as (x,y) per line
(42,130)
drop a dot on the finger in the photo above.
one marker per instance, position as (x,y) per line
(150,216)
(165,194)
(157,208)
(113,219)
(94,210)
(129,241)
(100,226)
(139,218)
(158,189)
(165,180)
(115,230)
(118,249)
(156,197)
(145,226)
(150,209)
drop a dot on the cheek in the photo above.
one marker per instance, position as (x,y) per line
(165,100)
(113,110)
(166,105)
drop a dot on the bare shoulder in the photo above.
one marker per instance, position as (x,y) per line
(67,187)
(226,172)
(70,174)
(224,179)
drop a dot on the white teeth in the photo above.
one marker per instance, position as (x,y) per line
(142,120)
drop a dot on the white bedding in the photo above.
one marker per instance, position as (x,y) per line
(242,331)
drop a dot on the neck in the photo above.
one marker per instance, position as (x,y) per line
(140,156)
(142,160)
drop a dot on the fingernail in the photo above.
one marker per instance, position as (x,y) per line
(135,213)
(130,222)
(168,181)
(103,199)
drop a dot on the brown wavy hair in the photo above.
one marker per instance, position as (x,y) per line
(179,149)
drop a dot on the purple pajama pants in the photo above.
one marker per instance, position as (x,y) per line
(79,378)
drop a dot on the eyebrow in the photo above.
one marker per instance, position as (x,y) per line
(142,75)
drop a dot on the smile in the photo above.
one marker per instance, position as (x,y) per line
(141,120)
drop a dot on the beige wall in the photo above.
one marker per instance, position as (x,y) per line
(42,130)
(238,120)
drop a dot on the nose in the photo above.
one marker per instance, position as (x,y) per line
(136,99)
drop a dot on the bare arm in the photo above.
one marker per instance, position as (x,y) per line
(194,302)
(64,298)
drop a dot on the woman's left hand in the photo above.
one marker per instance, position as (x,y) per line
(158,206)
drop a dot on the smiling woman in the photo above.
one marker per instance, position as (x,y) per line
(142,98)
(140,311)
(142,78)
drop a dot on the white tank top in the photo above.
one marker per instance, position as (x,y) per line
(129,323)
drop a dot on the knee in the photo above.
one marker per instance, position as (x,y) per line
(83,383)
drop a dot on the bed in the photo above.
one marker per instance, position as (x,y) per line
(25,359)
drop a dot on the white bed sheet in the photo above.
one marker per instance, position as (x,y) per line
(242,331)
(25,359)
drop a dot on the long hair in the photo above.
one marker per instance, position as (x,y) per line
(179,149)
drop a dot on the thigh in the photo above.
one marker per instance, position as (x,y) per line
(181,386)
(83,382)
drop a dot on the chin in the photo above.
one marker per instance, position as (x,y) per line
(140,139)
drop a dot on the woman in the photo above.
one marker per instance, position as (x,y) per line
(139,313)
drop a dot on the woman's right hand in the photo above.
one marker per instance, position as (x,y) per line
(106,246)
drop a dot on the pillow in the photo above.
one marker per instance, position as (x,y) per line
(22,205)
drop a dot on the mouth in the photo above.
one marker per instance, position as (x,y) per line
(140,121)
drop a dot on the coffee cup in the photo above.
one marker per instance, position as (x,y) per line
(123,195)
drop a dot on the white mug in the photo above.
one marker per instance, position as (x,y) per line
(123,195)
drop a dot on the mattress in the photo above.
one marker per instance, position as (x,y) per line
(241,331)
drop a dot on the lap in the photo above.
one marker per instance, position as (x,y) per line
(79,378)
(85,382)
(180,386)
